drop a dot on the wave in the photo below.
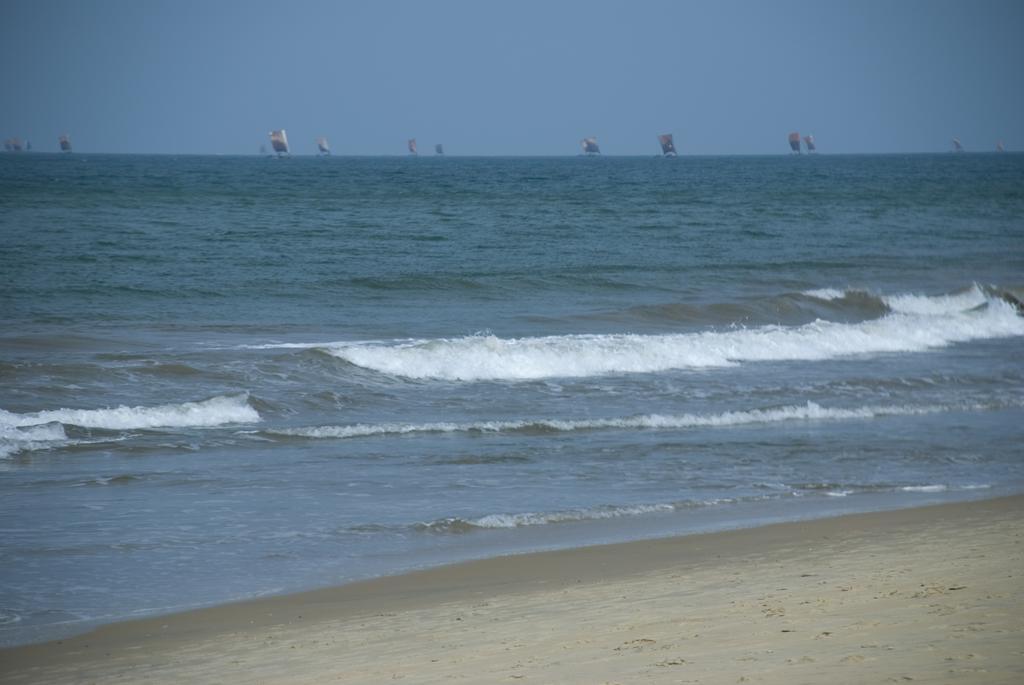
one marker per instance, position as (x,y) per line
(45,429)
(457,524)
(807,412)
(215,411)
(914,324)
(827,294)
(460,525)
(14,439)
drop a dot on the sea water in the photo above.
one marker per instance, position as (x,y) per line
(222,377)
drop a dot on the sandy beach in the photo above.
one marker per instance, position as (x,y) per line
(931,595)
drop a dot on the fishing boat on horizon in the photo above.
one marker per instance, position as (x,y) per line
(439,149)
(412,146)
(809,142)
(13,145)
(65,142)
(957,146)
(590,147)
(794,142)
(322,147)
(279,141)
(668,146)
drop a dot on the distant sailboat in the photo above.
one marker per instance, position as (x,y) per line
(809,142)
(439,149)
(412,146)
(794,142)
(28,145)
(957,147)
(13,145)
(590,146)
(668,148)
(322,147)
(1000,147)
(279,141)
(65,143)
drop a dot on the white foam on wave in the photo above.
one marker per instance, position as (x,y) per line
(14,439)
(809,411)
(916,324)
(940,305)
(925,488)
(825,294)
(540,518)
(215,411)
(523,519)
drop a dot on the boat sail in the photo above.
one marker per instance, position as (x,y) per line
(65,143)
(322,147)
(412,146)
(439,149)
(957,146)
(794,142)
(279,141)
(809,142)
(590,146)
(668,147)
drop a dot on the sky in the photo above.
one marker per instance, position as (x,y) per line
(512,77)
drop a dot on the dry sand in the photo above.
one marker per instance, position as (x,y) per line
(930,595)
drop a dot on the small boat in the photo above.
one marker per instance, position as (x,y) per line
(668,147)
(279,141)
(590,146)
(322,147)
(809,142)
(65,143)
(957,147)
(794,142)
(412,146)
(439,149)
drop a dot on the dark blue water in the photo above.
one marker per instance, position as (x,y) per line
(223,377)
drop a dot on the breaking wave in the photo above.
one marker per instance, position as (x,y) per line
(914,324)
(457,524)
(45,429)
(461,525)
(809,411)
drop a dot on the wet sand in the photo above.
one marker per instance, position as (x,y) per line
(932,595)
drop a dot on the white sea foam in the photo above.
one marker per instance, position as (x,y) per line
(809,411)
(916,324)
(215,411)
(924,488)
(937,305)
(825,294)
(520,520)
(14,439)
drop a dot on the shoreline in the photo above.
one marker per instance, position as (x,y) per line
(248,640)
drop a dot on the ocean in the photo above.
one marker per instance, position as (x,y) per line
(226,377)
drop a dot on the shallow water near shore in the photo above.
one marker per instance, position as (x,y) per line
(227,377)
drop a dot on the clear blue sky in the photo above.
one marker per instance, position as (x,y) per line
(512,77)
